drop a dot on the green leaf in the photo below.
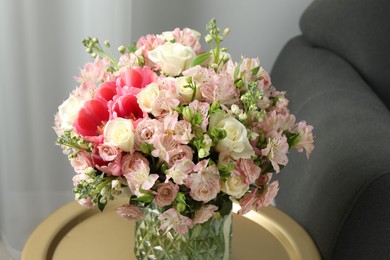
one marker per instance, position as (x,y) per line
(255,71)
(200,59)
(226,207)
(101,205)
(147,198)
(292,139)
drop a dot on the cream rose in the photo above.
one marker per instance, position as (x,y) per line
(68,111)
(236,143)
(120,133)
(172,58)
(147,99)
(234,186)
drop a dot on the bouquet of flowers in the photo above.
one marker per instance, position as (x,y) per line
(178,126)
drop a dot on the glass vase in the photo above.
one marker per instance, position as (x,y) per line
(209,240)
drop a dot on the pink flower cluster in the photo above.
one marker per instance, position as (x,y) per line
(178,126)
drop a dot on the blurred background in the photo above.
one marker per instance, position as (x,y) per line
(41,52)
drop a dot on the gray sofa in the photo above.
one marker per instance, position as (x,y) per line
(337,77)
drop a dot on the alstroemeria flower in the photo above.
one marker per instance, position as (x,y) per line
(173,219)
(204,213)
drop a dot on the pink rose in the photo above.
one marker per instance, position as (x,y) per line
(113,167)
(183,151)
(81,162)
(204,213)
(166,194)
(129,159)
(147,130)
(130,212)
(108,152)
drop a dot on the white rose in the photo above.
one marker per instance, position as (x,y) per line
(172,58)
(186,92)
(148,98)
(234,186)
(68,111)
(120,132)
(236,142)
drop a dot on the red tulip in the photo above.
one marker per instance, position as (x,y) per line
(137,78)
(92,118)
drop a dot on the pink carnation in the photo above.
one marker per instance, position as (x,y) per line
(204,182)
(257,200)
(248,169)
(188,38)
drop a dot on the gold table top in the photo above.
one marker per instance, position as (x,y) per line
(77,233)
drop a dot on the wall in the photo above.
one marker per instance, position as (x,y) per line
(259,28)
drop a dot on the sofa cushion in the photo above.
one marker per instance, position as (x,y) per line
(351,133)
(359,32)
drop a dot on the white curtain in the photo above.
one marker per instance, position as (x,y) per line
(41,52)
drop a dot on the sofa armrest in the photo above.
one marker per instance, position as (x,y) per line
(352,148)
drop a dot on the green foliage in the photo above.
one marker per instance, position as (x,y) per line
(200,59)
(75,142)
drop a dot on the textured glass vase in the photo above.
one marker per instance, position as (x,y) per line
(209,240)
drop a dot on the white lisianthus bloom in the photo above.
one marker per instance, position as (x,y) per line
(186,92)
(173,58)
(236,143)
(68,111)
(120,133)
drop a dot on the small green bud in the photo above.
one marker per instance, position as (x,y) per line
(187,114)
(242,116)
(95,40)
(202,153)
(107,44)
(89,50)
(235,109)
(226,31)
(208,38)
(93,55)
(180,207)
(122,49)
